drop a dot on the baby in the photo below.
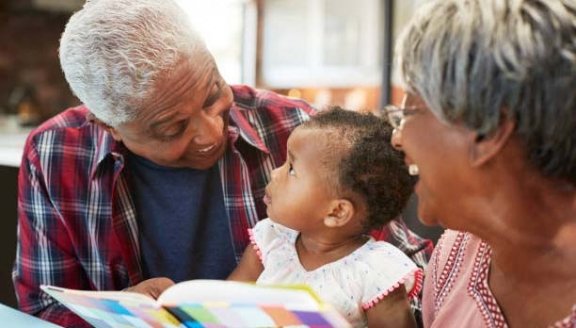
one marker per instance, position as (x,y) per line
(341,179)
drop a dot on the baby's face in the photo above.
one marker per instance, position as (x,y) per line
(299,195)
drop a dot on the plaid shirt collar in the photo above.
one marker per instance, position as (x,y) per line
(247,132)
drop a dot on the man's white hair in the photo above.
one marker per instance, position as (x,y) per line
(113,51)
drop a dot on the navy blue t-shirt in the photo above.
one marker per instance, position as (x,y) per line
(183,225)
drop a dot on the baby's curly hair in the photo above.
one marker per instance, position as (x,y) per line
(365,162)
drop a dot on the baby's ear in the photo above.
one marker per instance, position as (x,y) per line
(342,211)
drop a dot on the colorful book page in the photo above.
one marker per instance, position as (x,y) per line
(229,317)
(203,303)
(245,315)
(312,319)
(101,312)
(281,316)
(254,316)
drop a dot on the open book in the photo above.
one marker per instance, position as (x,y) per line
(203,303)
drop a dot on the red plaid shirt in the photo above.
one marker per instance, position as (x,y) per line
(77,221)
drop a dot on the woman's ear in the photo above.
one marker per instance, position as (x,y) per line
(341,212)
(485,147)
(93,119)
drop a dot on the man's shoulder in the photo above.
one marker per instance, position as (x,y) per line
(268,118)
(268,102)
(68,133)
(72,118)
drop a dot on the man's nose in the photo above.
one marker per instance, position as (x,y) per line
(208,130)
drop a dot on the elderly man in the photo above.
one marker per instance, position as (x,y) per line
(157,177)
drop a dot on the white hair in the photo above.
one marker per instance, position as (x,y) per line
(113,51)
(472,61)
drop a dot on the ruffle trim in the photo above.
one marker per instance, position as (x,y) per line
(418,283)
(255,245)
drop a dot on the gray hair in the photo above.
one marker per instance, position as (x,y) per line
(113,51)
(473,61)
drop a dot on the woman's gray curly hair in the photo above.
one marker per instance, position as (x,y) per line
(475,61)
(113,51)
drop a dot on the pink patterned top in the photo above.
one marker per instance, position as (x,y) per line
(351,284)
(456,291)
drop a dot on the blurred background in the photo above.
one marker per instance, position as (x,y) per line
(329,52)
(333,52)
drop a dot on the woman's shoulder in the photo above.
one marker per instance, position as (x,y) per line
(453,245)
(454,260)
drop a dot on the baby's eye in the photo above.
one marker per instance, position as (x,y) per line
(291,170)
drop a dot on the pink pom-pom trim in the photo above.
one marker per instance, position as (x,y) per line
(418,282)
(255,246)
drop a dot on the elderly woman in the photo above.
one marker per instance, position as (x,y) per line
(489,125)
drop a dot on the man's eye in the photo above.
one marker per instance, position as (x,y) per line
(291,170)
(169,137)
(215,94)
(173,131)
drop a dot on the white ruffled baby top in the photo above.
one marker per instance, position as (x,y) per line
(352,284)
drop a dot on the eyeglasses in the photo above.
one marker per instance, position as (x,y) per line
(396,115)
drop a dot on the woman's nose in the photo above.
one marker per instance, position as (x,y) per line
(395,139)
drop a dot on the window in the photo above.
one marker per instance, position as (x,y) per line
(321,43)
(229,30)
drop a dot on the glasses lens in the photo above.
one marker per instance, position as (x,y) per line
(395,117)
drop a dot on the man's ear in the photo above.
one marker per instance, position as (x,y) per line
(485,147)
(93,119)
(342,211)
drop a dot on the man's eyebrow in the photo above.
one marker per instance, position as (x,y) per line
(212,97)
(164,120)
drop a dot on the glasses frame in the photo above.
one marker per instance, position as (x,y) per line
(396,115)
